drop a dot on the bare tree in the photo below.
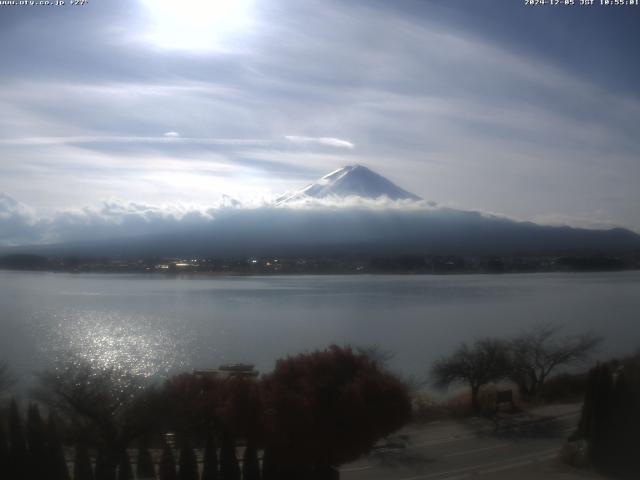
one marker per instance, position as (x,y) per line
(108,408)
(377,354)
(485,361)
(538,352)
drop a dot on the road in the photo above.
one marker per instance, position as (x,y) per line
(524,449)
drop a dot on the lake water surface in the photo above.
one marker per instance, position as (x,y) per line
(153,324)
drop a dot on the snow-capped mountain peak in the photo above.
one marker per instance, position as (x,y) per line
(351,180)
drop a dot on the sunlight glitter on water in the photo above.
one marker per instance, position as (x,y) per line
(110,340)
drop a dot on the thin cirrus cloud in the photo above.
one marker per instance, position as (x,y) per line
(175,138)
(167,138)
(328,141)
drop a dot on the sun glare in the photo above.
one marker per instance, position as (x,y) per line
(197,24)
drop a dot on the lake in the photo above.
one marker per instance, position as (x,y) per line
(154,325)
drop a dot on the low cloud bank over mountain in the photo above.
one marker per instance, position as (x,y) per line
(20,225)
(351,210)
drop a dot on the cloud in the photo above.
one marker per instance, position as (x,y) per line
(234,226)
(330,141)
(174,138)
(137,231)
(598,219)
(453,109)
(167,138)
(380,203)
(18,223)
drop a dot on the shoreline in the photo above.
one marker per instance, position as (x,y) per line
(195,273)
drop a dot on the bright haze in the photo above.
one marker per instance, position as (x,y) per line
(121,113)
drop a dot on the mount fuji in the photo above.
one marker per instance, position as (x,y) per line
(349,181)
(294,226)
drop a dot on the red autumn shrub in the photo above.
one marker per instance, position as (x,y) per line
(330,407)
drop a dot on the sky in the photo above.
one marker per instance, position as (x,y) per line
(163,108)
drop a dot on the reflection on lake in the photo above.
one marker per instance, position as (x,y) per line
(154,324)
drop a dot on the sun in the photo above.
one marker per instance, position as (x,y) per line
(196,24)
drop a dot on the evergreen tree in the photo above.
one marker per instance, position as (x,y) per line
(4,450)
(611,418)
(18,454)
(269,467)
(250,463)
(229,468)
(168,465)
(82,464)
(188,463)
(105,466)
(586,424)
(56,461)
(601,430)
(327,473)
(144,468)
(36,441)
(125,471)
(625,424)
(210,461)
